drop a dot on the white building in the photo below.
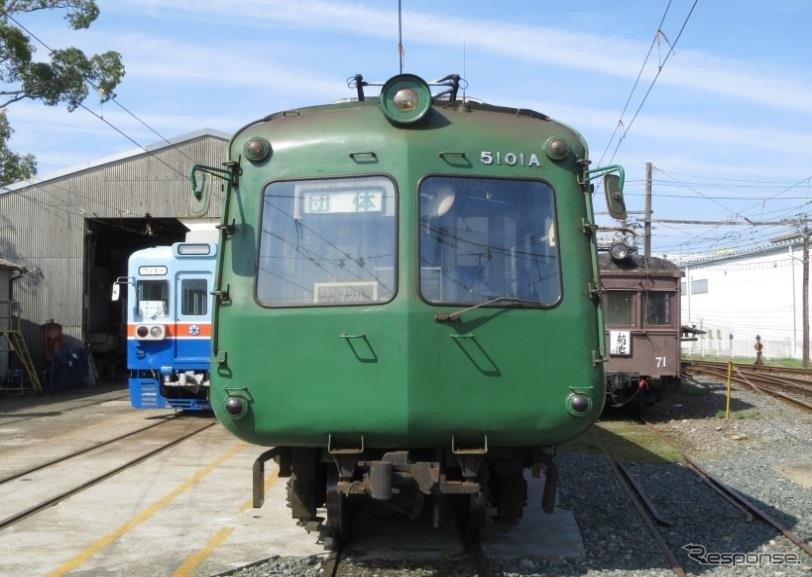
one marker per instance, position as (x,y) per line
(736,296)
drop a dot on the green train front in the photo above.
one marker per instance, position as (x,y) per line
(406,285)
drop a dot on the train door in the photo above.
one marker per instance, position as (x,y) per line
(192,330)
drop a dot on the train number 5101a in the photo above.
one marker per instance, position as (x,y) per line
(499,158)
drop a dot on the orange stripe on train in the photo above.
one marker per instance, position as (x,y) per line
(179,330)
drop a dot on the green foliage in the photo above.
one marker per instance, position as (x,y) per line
(13,167)
(740,415)
(65,78)
(81,13)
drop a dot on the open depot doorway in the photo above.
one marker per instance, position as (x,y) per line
(109,242)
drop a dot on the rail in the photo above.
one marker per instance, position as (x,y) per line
(643,505)
(732,494)
(60,496)
(791,390)
(68,456)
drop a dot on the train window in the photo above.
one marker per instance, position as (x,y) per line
(153,298)
(194,297)
(328,242)
(619,307)
(658,308)
(486,238)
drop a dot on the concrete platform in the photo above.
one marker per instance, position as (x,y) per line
(187,510)
(537,534)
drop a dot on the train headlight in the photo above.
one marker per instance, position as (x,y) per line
(150,332)
(405,99)
(257,149)
(235,406)
(556,148)
(578,404)
(619,251)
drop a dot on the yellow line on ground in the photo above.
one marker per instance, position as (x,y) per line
(89,552)
(193,561)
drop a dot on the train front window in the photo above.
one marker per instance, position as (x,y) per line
(153,298)
(482,239)
(619,308)
(328,242)
(658,308)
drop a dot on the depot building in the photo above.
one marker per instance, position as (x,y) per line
(69,236)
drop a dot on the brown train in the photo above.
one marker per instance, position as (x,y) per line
(641,304)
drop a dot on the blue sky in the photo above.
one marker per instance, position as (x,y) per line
(727,125)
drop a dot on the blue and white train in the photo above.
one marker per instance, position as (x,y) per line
(169,325)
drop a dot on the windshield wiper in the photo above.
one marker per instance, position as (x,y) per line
(456,315)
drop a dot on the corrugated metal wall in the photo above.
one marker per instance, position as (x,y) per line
(42,226)
(5,320)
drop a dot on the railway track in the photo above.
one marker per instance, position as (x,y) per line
(55,475)
(73,454)
(750,510)
(794,390)
(651,517)
(71,407)
(644,507)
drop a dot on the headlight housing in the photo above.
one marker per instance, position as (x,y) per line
(405,99)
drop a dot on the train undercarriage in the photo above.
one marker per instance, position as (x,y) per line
(433,485)
(631,390)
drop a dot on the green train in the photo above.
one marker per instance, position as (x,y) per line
(407,302)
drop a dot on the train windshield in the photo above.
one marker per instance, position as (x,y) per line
(153,298)
(482,239)
(328,242)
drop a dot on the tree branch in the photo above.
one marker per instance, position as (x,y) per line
(17,98)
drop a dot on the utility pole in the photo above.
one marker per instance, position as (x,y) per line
(805,308)
(804,235)
(647,214)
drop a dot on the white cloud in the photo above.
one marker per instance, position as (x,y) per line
(691,69)
(700,134)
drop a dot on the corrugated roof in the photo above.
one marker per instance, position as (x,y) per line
(150,149)
(763,250)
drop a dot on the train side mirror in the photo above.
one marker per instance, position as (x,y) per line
(614,196)
(117,287)
(201,193)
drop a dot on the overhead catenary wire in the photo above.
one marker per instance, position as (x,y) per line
(114,100)
(739,180)
(660,67)
(636,81)
(681,237)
